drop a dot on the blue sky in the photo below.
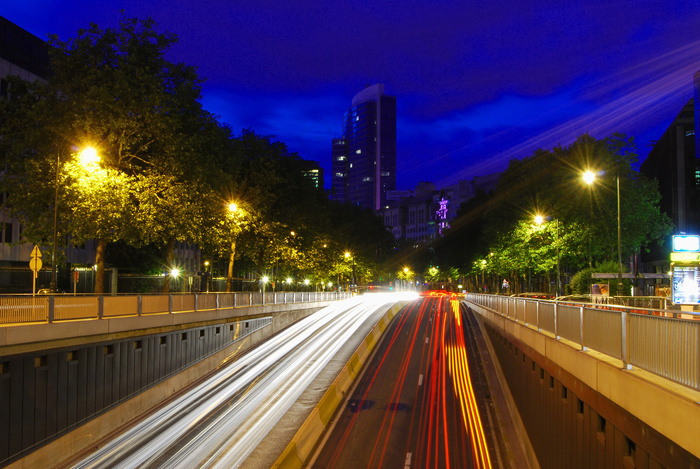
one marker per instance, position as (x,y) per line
(476,83)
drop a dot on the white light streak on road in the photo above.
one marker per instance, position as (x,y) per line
(218,423)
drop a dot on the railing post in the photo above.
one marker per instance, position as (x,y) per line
(140,305)
(217,301)
(170,303)
(581,334)
(100,306)
(625,340)
(556,321)
(537,316)
(51,311)
(196,300)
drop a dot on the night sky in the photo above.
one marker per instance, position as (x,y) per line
(477,83)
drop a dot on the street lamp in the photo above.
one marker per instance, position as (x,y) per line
(539,219)
(347,256)
(589,177)
(233,212)
(89,159)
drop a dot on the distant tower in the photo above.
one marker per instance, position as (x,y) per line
(364,157)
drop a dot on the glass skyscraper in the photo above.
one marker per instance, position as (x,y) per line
(364,157)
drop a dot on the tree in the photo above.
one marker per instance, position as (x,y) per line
(112,89)
(549,183)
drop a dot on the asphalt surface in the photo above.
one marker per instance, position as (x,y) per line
(427,399)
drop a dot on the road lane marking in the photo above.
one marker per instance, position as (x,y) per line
(420,379)
(407,464)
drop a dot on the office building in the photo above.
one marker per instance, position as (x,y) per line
(364,156)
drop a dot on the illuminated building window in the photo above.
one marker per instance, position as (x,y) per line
(358,151)
(385,173)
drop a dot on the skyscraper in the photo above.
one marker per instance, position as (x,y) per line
(364,157)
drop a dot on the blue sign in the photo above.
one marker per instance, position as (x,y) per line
(686,243)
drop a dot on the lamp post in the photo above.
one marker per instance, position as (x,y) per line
(347,256)
(233,210)
(539,219)
(589,177)
(88,158)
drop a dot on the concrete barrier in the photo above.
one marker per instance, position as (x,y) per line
(89,434)
(303,443)
(668,407)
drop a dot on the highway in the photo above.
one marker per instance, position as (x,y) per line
(219,422)
(416,406)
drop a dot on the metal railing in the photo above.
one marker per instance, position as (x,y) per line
(22,309)
(655,340)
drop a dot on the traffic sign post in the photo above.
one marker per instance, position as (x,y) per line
(35,265)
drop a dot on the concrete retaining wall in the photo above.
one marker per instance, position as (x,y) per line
(90,433)
(619,395)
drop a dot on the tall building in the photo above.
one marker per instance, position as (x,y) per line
(364,157)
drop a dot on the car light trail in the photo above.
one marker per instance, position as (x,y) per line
(448,416)
(219,422)
(459,369)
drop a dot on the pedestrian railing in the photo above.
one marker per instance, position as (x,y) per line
(655,340)
(24,309)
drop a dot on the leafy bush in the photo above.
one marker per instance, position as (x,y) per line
(582,281)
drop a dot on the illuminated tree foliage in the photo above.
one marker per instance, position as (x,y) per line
(168,169)
(114,90)
(581,220)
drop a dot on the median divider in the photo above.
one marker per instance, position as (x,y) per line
(302,445)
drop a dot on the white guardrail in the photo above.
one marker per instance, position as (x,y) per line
(23,309)
(655,340)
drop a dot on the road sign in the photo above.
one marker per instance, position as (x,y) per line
(35,265)
(35,260)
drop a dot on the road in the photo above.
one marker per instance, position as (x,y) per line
(219,422)
(416,405)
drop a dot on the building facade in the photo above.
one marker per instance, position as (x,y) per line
(364,156)
(427,212)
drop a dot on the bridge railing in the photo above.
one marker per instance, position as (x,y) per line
(655,340)
(26,309)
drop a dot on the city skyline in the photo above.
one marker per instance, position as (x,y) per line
(474,87)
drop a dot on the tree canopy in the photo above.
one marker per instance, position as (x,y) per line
(168,169)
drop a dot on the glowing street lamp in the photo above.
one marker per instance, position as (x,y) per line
(88,158)
(234,211)
(589,177)
(539,219)
(348,255)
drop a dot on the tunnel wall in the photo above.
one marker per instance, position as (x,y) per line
(570,423)
(45,393)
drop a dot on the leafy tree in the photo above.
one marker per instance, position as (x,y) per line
(112,89)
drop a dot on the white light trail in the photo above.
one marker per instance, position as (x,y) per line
(218,423)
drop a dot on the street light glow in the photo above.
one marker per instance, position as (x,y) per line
(89,158)
(232,207)
(539,219)
(175,272)
(264,279)
(589,177)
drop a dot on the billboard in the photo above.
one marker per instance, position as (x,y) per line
(686,243)
(685,284)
